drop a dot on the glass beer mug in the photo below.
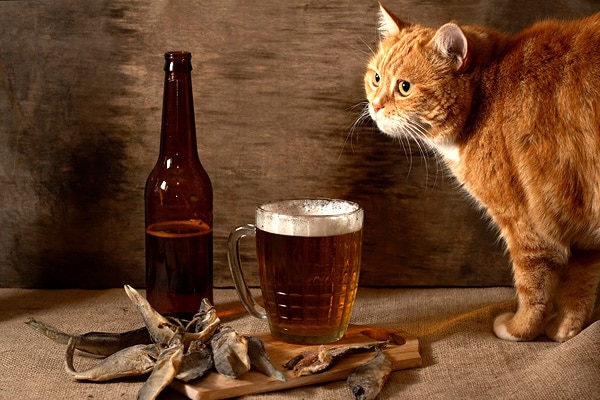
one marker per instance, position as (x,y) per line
(309,256)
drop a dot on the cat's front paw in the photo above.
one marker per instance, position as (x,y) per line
(562,329)
(501,327)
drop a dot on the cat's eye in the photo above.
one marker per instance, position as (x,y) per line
(404,87)
(376,78)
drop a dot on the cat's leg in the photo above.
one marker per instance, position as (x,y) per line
(575,296)
(536,275)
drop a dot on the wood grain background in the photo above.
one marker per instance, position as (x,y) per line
(278,86)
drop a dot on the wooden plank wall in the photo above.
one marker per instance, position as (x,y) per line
(278,86)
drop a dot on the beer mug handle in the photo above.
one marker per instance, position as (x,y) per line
(235,266)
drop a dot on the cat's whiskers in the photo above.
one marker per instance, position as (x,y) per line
(368,47)
(358,122)
(404,139)
(419,141)
(414,130)
(425,129)
(408,154)
(413,127)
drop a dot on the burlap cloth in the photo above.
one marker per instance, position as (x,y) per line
(462,359)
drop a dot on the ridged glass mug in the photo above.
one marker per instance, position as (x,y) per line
(309,256)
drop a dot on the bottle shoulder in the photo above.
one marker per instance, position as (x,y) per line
(173,168)
(179,181)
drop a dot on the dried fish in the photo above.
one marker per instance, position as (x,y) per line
(367,380)
(316,361)
(230,353)
(384,335)
(97,343)
(312,362)
(178,349)
(206,318)
(259,359)
(131,361)
(196,362)
(162,329)
(206,322)
(291,363)
(164,371)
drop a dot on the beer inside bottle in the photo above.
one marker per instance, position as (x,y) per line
(178,204)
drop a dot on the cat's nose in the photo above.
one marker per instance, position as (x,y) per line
(376,107)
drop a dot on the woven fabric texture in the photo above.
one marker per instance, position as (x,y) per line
(462,359)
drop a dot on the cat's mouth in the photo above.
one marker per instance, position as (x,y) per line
(408,125)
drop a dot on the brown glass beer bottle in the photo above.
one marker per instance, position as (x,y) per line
(178,204)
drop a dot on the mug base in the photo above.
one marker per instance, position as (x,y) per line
(309,339)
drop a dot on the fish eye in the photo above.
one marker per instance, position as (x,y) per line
(405,88)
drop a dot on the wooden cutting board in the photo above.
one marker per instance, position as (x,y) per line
(215,386)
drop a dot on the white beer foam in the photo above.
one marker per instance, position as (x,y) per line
(309,217)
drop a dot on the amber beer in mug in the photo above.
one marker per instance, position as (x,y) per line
(309,256)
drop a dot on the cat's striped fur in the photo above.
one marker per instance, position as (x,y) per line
(517,120)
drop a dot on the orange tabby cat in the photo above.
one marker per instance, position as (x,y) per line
(517,120)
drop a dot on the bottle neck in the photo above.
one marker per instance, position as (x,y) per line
(178,132)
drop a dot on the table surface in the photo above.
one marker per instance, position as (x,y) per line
(461,356)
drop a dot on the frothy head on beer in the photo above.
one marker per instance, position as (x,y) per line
(309,217)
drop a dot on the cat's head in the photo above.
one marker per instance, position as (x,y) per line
(418,82)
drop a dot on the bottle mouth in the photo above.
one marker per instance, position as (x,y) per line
(181,60)
(170,55)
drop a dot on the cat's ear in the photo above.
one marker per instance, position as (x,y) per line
(451,42)
(389,24)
